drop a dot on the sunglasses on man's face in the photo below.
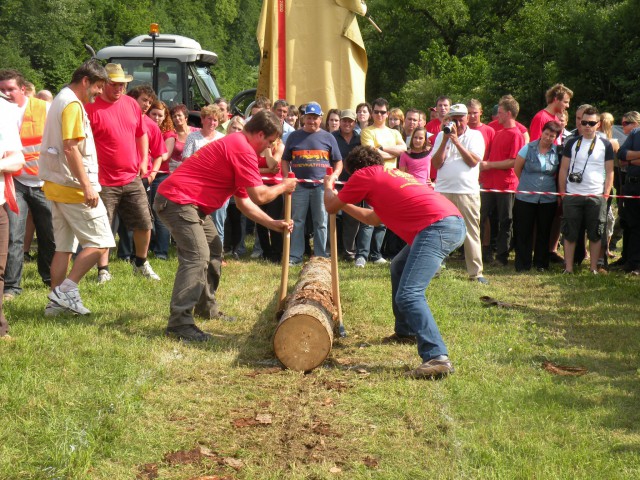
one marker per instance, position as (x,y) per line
(380,112)
(591,123)
(625,123)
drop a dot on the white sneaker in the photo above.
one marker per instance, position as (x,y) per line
(146,271)
(104,276)
(380,261)
(69,300)
(360,262)
(53,309)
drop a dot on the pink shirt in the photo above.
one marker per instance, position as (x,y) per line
(417,164)
(404,205)
(116,126)
(214,173)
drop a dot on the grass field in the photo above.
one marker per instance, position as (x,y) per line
(109,397)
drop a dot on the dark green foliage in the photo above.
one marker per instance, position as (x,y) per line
(464,48)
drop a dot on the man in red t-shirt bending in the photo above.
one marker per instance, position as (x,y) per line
(432,227)
(185,200)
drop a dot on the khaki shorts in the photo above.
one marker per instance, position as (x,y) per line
(75,223)
(131,203)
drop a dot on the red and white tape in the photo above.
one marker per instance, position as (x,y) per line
(490,190)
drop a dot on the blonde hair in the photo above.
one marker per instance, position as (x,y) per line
(212,111)
(236,120)
(396,112)
(606,124)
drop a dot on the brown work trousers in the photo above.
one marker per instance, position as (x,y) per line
(199,261)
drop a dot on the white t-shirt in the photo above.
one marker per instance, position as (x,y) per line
(9,135)
(594,174)
(455,176)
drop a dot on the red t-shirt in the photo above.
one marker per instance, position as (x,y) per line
(115,128)
(487,133)
(539,121)
(433,126)
(506,145)
(214,173)
(156,144)
(497,127)
(262,163)
(404,205)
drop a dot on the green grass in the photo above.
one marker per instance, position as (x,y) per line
(101,397)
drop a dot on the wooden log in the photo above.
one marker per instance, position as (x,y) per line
(306,330)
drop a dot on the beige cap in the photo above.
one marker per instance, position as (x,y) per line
(348,114)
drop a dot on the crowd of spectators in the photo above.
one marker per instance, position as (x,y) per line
(519,189)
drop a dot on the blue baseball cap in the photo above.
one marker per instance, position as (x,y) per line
(313,109)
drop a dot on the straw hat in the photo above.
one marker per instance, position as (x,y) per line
(116,74)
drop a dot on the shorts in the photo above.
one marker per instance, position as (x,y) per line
(586,212)
(131,203)
(75,223)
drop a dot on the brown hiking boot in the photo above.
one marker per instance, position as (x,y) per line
(433,369)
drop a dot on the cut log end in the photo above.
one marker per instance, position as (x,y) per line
(304,336)
(302,342)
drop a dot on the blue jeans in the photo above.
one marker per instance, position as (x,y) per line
(219,217)
(411,272)
(302,199)
(29,198)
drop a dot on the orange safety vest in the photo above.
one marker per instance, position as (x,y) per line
(31,132)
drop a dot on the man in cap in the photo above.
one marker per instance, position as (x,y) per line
(69,168)
(308,153)
(123,147)
(32,115)
(458,151)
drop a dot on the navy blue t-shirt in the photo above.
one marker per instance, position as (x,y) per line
(310,154)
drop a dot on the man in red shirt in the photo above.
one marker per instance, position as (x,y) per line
(443,104)
(558,99)
(198,187)
(497,173)
(123,148)
(474,107)
(431,226)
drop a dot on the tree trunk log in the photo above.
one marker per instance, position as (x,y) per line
(304,336)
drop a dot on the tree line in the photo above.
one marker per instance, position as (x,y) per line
(463,48)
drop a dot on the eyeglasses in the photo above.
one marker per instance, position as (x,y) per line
(591,123)
(625,123)
(380,112)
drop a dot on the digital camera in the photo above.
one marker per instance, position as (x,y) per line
(448,127)
(575,177)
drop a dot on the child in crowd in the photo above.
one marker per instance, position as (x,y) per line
(417,161)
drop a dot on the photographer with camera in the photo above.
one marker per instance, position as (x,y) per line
(586,169)
(458,151)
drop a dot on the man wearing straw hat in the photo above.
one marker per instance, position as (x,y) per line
(116,120)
